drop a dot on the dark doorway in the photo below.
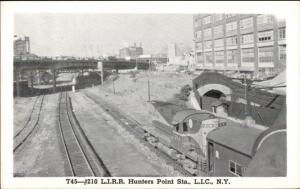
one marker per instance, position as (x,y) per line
(210,97)
(214,94)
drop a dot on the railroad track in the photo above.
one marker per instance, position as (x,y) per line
(21,137)
(137,130)
(82,158)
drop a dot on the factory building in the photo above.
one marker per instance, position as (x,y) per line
(131,52)
(249,43)
(21,46)
(22,49)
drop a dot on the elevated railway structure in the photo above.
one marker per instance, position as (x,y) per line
(71,65)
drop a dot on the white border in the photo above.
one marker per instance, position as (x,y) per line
(289,10)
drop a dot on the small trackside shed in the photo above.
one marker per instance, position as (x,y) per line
(230,149)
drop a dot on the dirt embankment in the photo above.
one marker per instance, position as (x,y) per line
(129,91)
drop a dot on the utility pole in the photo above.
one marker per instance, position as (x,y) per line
(136,65)
(148,90)
(247,83)
(114,86)
(18,77)
(114,79)
(149,70)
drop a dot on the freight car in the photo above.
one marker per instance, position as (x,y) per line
(184,139)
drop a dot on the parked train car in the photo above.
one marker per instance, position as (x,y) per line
(183,135)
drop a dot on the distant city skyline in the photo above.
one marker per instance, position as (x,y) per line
(100,34)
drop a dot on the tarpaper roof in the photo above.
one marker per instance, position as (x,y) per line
(181,115)
(271,159)
(239,138)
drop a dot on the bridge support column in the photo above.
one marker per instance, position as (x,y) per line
(38,77)
(18,74)
(31,79)
(54,80)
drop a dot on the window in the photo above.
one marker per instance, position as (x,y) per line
(217,154)
(235,168)
(208,57)
(199,46)
(192,122)
(200,58)
(282,52)
(219,43)
(246,23)
(232,56)
(281,33)
(248,55)
(238,170)
(197,23)
(219,56)
(208,45)
(230,15)
(207,33)
(247,39)
(264,19)
(231,41)
(232,166)
(265,36)
(207,20)
(265,54)
(199,34)
(232,26)
(184,127)
(218,31)
(218,17)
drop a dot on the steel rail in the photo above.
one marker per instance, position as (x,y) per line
(82,157)
(137,130)
(22,137)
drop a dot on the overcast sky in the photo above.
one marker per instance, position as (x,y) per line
(91,34)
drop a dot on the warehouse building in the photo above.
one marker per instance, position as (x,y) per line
(131,52)
(249,43)
(21,46)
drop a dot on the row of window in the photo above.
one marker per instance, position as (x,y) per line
(265,55)
(218,33)
(245,39)
(244,23)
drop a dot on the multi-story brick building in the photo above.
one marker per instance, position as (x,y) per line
(131,52)
(242,42)
(21,46)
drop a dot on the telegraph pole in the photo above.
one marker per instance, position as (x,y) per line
(149,70)
(136,65)
(247,83)
(114,79)
(114,86)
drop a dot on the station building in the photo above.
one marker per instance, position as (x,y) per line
(249,43)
